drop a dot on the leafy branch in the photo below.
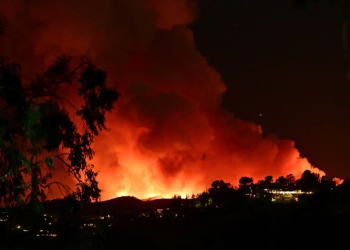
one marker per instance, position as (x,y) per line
(34,123)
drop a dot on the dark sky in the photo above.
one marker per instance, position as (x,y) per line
(285,64)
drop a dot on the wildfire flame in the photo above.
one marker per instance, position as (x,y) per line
(338,181)
(168,134)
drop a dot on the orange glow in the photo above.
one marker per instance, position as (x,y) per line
(338,181)
(132,164)
(168,133)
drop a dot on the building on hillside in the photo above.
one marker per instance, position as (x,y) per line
(286,196)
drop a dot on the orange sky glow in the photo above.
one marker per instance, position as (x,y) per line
(168,133)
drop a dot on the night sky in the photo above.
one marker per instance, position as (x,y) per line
(285,64)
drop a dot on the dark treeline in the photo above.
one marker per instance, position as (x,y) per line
(220,217)
(222,193)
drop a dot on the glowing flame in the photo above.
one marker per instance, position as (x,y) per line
(338,181)
(168,134)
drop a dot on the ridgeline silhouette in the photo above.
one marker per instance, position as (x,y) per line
(221,217)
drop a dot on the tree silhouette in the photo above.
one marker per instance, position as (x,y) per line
(309,181)
(269,179)
(37,129)
(176,202)
(282,180)
(222,193)
(246,185)
(220,185)
(245,181)
(290,181)
(327,183)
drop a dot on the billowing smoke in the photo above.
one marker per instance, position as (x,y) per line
(168,133)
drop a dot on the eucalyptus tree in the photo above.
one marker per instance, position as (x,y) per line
(40,126)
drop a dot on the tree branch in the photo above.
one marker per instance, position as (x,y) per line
(59,185)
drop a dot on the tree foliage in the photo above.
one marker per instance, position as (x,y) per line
(220,185)
(309,181)
(282,180)
(38,129)
(245,181)
(222,193)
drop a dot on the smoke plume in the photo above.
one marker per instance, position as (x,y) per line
(168,133)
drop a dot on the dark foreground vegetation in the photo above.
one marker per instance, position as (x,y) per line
(220,218)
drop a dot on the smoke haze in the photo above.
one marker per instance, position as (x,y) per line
(168,133)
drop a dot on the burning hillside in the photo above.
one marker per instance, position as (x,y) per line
(168,133)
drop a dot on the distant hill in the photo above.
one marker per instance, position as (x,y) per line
(120,205)
(131,205)
(152,198)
